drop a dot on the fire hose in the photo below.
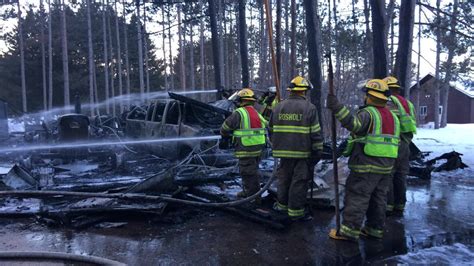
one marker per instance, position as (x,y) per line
(42,255)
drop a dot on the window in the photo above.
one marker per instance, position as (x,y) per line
(160,109)
(172,116)
(440,110)
(423,110)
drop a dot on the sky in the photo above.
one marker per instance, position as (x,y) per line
(428,45)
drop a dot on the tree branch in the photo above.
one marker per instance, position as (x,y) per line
(444,28)
(433,9)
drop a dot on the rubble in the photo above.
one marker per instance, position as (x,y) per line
(85,185)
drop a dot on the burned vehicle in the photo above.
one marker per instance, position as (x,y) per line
(174,118)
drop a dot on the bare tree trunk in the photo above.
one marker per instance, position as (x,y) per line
(293,38)
(95,94)
(90,58)
(191,56)
(354,16)
(171,51)
(106,57)
(65,54)
(145,46)
(112,68)
(226,65)
(262,71)
(43,59)
(182,72)
(119,54)
(392,48)
(243,45)
(278,37)
(437,70)
(127,63)
(22,60)
(50,58)
(314,54)
(285,66)
(405,42)
(379,42)
(449,64)
(201,52)
(140,52)
(368,36)
(167,86)
(417,102)
(220,20)
(215,48)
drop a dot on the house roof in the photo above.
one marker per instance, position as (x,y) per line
(459,87)
(425,79)
(455,85)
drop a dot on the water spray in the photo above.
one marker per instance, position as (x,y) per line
(107,143)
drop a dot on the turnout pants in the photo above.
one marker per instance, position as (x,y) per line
(396,197)
(293,176)
(250,175)
(365,196)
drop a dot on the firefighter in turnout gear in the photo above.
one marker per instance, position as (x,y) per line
(248,130)
(405,111)
(297,141)
(268,101)
(373,148)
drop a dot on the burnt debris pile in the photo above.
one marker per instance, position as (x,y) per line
(78,171)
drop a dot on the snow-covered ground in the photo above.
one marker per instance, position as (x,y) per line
(15,125)
(457,254)
(454,137)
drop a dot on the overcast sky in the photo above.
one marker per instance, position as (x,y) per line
(428,45)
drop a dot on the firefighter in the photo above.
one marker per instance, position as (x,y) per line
(373,148)
(405,111)
(248,130)
(268,101)
(297,141)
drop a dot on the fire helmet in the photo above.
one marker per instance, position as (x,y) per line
(246,94)
(299,84)
(377,88)
(392,82)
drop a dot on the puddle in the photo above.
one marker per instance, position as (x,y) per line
(456,254)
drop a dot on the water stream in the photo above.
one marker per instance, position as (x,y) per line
(105,143)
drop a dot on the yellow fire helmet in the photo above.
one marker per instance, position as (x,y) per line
(377,88)
(246,94)
(392,82)
(299,84)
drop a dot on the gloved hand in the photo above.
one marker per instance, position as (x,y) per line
(332,102)
(269,99)
(225,143)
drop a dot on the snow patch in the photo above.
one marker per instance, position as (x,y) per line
(15,125)
(454,137)
(457,254)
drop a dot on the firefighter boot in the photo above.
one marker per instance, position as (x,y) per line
(334,234)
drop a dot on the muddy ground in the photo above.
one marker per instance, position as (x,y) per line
(437,228)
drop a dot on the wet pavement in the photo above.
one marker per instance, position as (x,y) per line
(437,228)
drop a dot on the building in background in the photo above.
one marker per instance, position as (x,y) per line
(460,102)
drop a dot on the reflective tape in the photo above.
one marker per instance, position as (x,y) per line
(291,154)
(377,233)
(295,212)
(242,154)
(345,230)
(291,129)
(343,113)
